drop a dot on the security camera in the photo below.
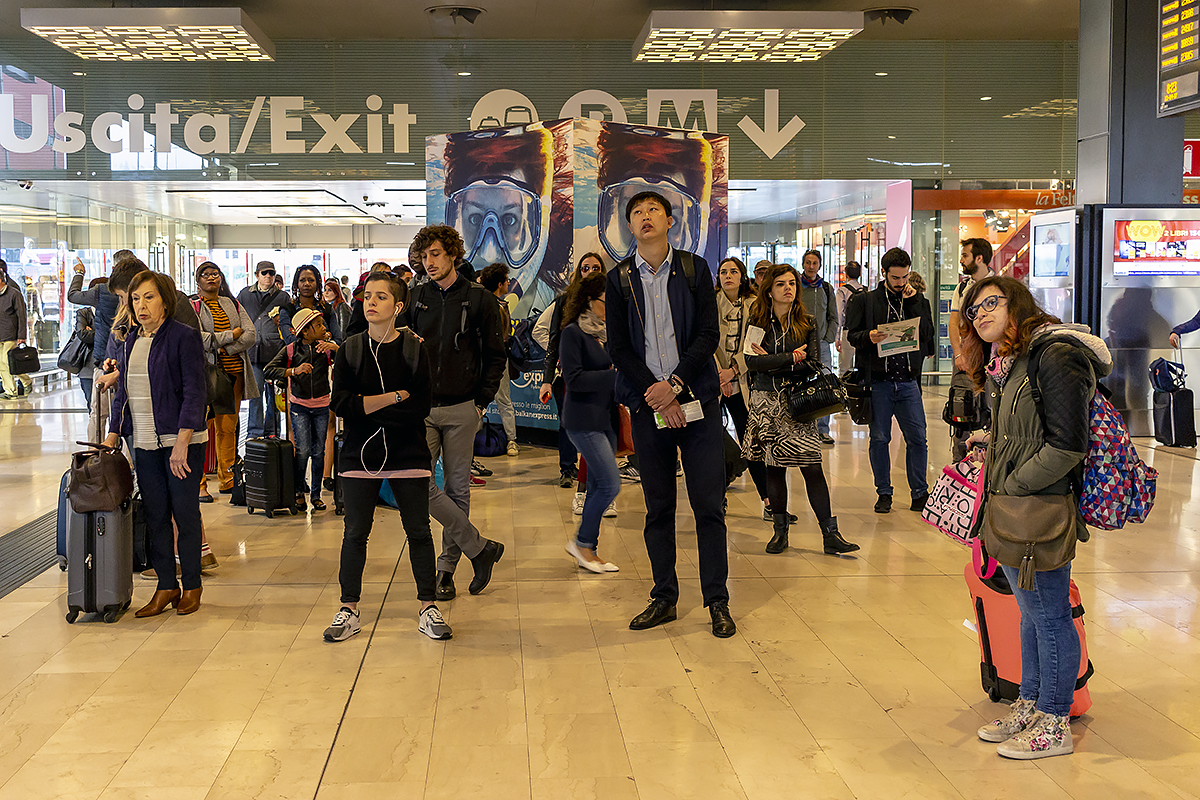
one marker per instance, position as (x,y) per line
(365,198)
(25,184)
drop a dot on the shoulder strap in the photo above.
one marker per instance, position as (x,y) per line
(623,278)
(688,261)
(354,351)
(411,349)
(291,350)
(196,305)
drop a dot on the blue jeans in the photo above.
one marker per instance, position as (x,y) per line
(264,419)
(902,401)
(309,426)
(1050,650)
(599,450)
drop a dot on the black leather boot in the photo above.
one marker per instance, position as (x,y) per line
(835,545)
(779,541)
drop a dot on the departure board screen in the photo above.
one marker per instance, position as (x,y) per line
(1178,56)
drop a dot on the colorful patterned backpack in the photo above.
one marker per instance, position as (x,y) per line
(1115,486)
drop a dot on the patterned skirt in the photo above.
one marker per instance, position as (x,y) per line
(775,438)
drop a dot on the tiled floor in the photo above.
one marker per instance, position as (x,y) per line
(848,678)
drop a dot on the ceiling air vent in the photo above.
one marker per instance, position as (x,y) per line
(455,13)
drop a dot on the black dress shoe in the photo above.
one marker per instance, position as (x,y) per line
(483,564)
(918,502)
(655,614)
(722,623)
(445,586)
(884,504)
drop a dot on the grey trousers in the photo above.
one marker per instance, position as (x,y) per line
(508,414)
(450,431)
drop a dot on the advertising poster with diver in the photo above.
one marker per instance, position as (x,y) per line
(538,196)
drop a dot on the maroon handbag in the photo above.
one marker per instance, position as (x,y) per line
(101,479)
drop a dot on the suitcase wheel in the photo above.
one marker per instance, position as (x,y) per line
(62,563)
(270,513)
(294,510)
(249,510)
(994,694)
(338,511)
(72,615)
(110,616)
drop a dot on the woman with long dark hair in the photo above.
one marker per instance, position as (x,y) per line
(333,297)
(1030,522)
(735,299)
(773,436)
(590,410)
(552,385)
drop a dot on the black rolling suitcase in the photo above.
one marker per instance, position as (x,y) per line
(270,474)
(99,561)
(1175,418)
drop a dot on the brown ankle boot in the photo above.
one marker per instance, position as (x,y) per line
(158,604)
(190,602)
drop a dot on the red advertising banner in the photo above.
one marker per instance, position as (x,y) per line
(1156,247)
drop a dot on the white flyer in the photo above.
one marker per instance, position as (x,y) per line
(754,335)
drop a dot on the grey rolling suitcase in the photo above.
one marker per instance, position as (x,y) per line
(99,562)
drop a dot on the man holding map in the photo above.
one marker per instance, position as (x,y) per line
(892,335)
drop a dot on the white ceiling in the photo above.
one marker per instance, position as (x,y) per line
(595,20)
(259,202)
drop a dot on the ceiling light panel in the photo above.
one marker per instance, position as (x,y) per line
(734,37)
(151,34)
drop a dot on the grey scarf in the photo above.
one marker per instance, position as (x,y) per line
(593,325)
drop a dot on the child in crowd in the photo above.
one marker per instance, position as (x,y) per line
(304,364)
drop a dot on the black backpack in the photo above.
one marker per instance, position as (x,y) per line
(524,353)
(965,410)
(685,258)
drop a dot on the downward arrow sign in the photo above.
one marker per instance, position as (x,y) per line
(769,138)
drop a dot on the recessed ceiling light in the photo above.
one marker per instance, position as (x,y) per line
(151,34)
(464,74)
(79,73)
(891,137)
(988,97)
(881,74)
(743,36)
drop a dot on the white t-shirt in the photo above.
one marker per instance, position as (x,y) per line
(956,297)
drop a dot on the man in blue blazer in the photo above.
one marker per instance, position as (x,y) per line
(662,334)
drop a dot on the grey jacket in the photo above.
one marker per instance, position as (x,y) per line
(240,346)
(822,305)
(13,321)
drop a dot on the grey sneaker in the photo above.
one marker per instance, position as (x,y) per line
(432,624)
(1020,715)
(345,624)
(1047,736)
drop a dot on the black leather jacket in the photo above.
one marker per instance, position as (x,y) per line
(768,373)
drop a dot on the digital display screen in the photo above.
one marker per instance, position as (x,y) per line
(1053,247)
(1178,56)
(1156,247)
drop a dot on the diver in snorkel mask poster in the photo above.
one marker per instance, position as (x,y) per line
(688,168)
(508,191)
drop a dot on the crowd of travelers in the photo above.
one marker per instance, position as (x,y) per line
(647,355)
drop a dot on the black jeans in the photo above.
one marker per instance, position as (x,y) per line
(360,496)
(566,448)
(703,452)
(735,404)
(165,497)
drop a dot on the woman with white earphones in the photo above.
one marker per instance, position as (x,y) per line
(381,392)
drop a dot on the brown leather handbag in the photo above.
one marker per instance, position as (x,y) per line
(1033,533)
(101,479)
(624,432)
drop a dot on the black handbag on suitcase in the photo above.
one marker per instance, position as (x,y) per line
(270,473)
(23,360)
(99,561)
(1175,418)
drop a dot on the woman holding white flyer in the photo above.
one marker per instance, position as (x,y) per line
(779,340)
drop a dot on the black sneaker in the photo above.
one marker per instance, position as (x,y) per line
(565,480)
(479,470)
(918,502)
(884,504)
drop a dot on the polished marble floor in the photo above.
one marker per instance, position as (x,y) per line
(850,677)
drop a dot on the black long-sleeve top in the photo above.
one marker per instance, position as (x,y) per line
(383,369)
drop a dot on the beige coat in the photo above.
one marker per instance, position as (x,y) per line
(725,309)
